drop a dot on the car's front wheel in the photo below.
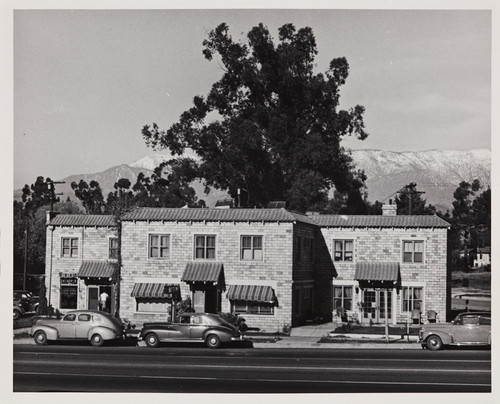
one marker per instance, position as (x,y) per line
(213,341)
(96,340)
(17,314)
(434,343)
(152,340)
(40,338)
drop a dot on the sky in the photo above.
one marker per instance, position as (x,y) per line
(87,81)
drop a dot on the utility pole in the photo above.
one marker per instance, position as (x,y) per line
(52,188)
(410,197)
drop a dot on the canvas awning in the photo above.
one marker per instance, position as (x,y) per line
(203,272)
(157,290)
(254,293)
(96,269)
(381,273)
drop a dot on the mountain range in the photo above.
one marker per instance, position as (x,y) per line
(436,172)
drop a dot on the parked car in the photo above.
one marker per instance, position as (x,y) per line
(18,309)
(26,300)
(94,326)
(191,327)
(468,328)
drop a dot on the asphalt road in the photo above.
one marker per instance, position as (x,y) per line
(198,369)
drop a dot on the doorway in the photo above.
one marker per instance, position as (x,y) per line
(207,300)
(95,292)
(373,303)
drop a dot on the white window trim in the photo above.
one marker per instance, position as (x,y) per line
(412,285)
(353,250)
(194,247)
(420,239)
(109,247)
(79,247)
(241,235)
(161,259)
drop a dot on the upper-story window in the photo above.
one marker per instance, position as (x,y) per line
(113,248)
(251,248)
(204,247)
(413,251)
(343,250)
(159,246)
(69,247)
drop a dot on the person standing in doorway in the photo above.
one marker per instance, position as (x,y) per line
(103,301)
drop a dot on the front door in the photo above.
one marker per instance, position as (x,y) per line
(373,303)
(207,300)
(93,298)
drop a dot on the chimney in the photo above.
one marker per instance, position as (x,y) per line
(389,209)
(50,215)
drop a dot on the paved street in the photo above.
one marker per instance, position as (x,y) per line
(246,370)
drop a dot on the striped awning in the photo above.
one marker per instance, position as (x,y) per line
(377,271)
(203,272)
(96,269)
(157,290)
(253,293)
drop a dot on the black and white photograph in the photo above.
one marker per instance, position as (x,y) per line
(269,200)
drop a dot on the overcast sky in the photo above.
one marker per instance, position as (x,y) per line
(85,82)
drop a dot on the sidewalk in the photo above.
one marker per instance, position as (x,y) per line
(301,337)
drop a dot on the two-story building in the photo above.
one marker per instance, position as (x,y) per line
(272,266)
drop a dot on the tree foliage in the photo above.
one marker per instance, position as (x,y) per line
(270,127)
(90,195)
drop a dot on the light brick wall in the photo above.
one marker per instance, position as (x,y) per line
(93,245)
(275,270)
(385,245)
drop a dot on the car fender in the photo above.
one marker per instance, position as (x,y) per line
(445,337)
(51,332)
(105,332)
(224,336)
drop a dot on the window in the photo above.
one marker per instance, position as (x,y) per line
(342,297)
(248,307)
(413,251)
(159,246)
(204,247)
(412,298)
(251,248)
(343,250)
(69,247)
(152,305)
(113,248)
(69,317)
(84,317)
(69,293)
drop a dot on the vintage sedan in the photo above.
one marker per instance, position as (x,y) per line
(468,328)
(90,325)
(191,327)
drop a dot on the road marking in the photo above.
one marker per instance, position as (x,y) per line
(258,380)
(243,366)
(272,358)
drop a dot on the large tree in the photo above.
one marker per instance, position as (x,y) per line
(271,127)
(410,202)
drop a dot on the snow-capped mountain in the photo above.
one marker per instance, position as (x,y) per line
(436,172)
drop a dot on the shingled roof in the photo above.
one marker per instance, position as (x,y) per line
(215,215)
(379,221)
(83,220)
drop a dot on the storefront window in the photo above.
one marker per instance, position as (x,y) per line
(69,293)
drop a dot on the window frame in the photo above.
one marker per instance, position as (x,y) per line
(412,242)
(71,255)
(411,299)
(205,247)
(159,246)
(343,297)
(252,248)
(252,305)
(112,249)
(343,250)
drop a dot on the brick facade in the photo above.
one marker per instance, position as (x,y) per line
(297,259)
